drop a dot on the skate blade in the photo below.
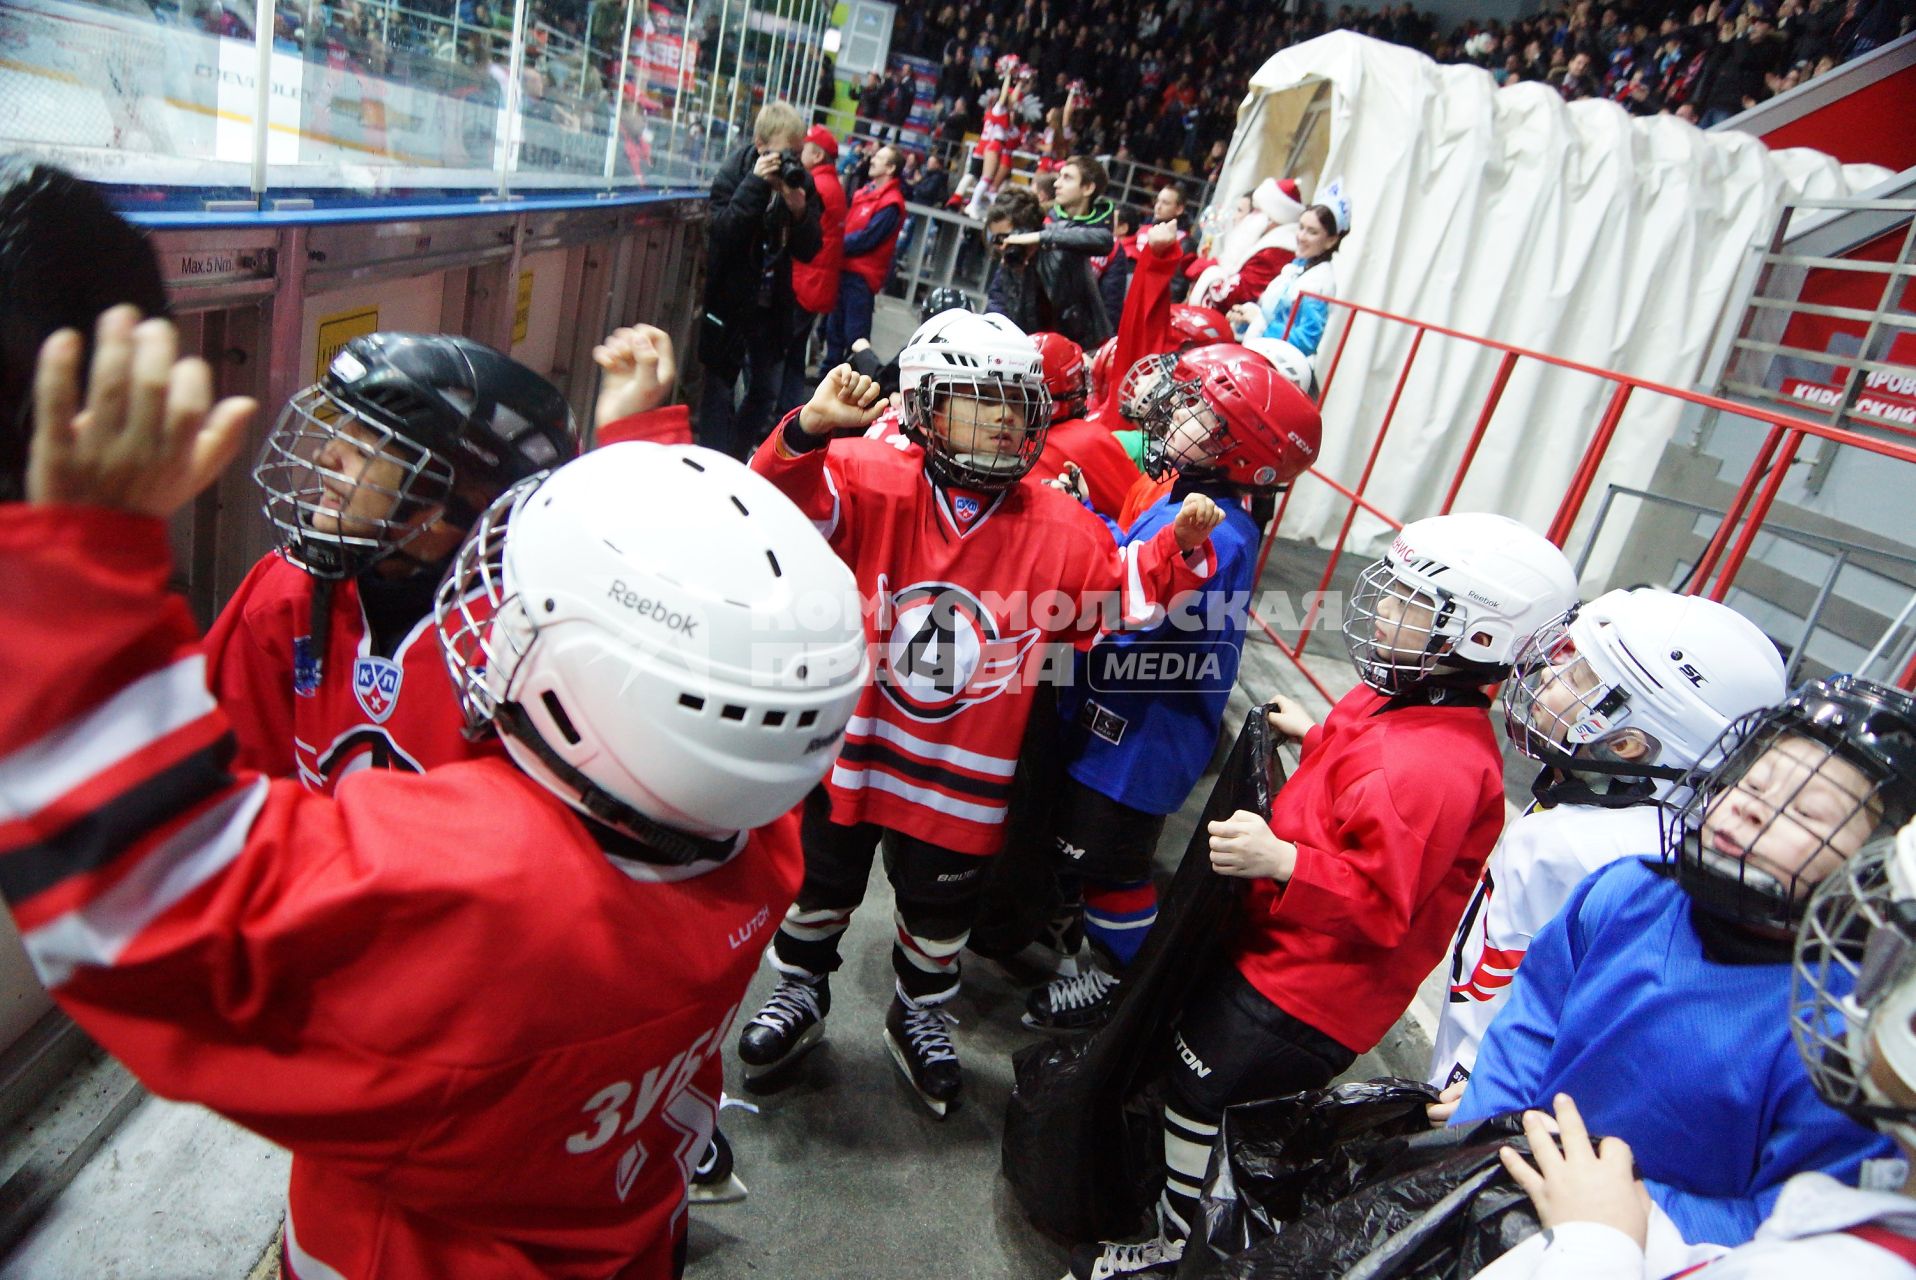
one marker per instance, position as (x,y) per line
(936,1106)
(807,1040)
(730,1191)
(1056,1029)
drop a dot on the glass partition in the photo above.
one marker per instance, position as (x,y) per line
(376,96)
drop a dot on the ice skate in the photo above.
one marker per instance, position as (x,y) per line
(1079,1003)
(1110,1259)
(789,1024)
(713,1180)
(920,1043)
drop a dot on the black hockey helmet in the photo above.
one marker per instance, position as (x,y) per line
(942,299)
(1798,790)
(422,420)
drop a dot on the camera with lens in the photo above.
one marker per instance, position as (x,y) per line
(791,170)
(1015,255)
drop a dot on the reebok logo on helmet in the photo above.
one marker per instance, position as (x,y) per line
(653,610)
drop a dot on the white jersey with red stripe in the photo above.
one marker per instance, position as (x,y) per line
(293,717)
(963,589)
(1529,876)
(489,1035)
(997,126)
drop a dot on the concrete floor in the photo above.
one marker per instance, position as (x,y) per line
(850,1177)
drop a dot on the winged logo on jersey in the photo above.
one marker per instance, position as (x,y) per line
(945,652)
(376,685)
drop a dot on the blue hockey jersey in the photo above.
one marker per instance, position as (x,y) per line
(1688,1060)
(1142,711)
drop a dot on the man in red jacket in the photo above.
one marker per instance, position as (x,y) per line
(330,971)
(872,224)
(815,283)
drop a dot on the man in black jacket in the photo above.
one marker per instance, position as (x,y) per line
(1043,280)
(765,213)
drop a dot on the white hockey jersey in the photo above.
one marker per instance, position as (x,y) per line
(1819,1228)
(1531,872)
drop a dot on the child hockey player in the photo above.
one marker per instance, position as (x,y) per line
(1851,1004)
(481,1005)
(1655,996)
(1363,869)
(1619,699)
(372,476)
(950,546)
(1075,442)
(1227,426)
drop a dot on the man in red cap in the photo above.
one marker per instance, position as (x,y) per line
(815,283)
(872,223)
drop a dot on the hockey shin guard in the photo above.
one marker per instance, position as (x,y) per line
(1187,1150)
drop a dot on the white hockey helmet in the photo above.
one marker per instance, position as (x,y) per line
(1461,591)
(1674,670)
(1292,363)
(988,360)
(661,638)
(1853,989)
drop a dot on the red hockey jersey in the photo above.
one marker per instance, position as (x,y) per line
(492,1047)
(1393,814)
(1108,470)
(365,712)
(961,588)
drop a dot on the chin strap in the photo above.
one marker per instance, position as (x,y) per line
(662,844)
(1563,781)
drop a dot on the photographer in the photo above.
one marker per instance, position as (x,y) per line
(765,214)
(1044,281)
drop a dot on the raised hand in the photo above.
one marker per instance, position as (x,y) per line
(845,401)
(149,437)
(1196,518)
(636,372)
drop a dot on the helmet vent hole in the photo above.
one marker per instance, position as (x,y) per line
(740,505)
(771,556)
(551,606)
(693,463)
(773,719)
(691,701)
(557,711)
(732,711)
(806,719)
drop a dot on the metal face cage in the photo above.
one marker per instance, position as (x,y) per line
(993,429)
(1784,810)
(1181,429)
(1395,632)
(481,656)
(343,489)
(1554,700)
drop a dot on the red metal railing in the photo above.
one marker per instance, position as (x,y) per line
(1723,557)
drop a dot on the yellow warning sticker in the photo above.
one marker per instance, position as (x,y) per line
(335,331)
(522,310)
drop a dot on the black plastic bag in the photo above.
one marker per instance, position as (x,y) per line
(1082,1146)
(1020,893)
(1275,1156)
(1436,1205)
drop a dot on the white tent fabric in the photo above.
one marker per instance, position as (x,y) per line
(1571,229)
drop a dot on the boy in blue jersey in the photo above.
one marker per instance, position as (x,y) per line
(1658,997)
(1141,716)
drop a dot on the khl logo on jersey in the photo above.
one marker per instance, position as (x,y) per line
(376,683)
(965,507)
(944,652)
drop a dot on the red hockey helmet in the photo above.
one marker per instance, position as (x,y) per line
(1227,410)
(1199,326)
(1066,375)
(1101,370)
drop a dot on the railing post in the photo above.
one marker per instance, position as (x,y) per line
(1363,480)
(1587,469)
(1491,402)
(618,96)
(1733,514)
(1754,523)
